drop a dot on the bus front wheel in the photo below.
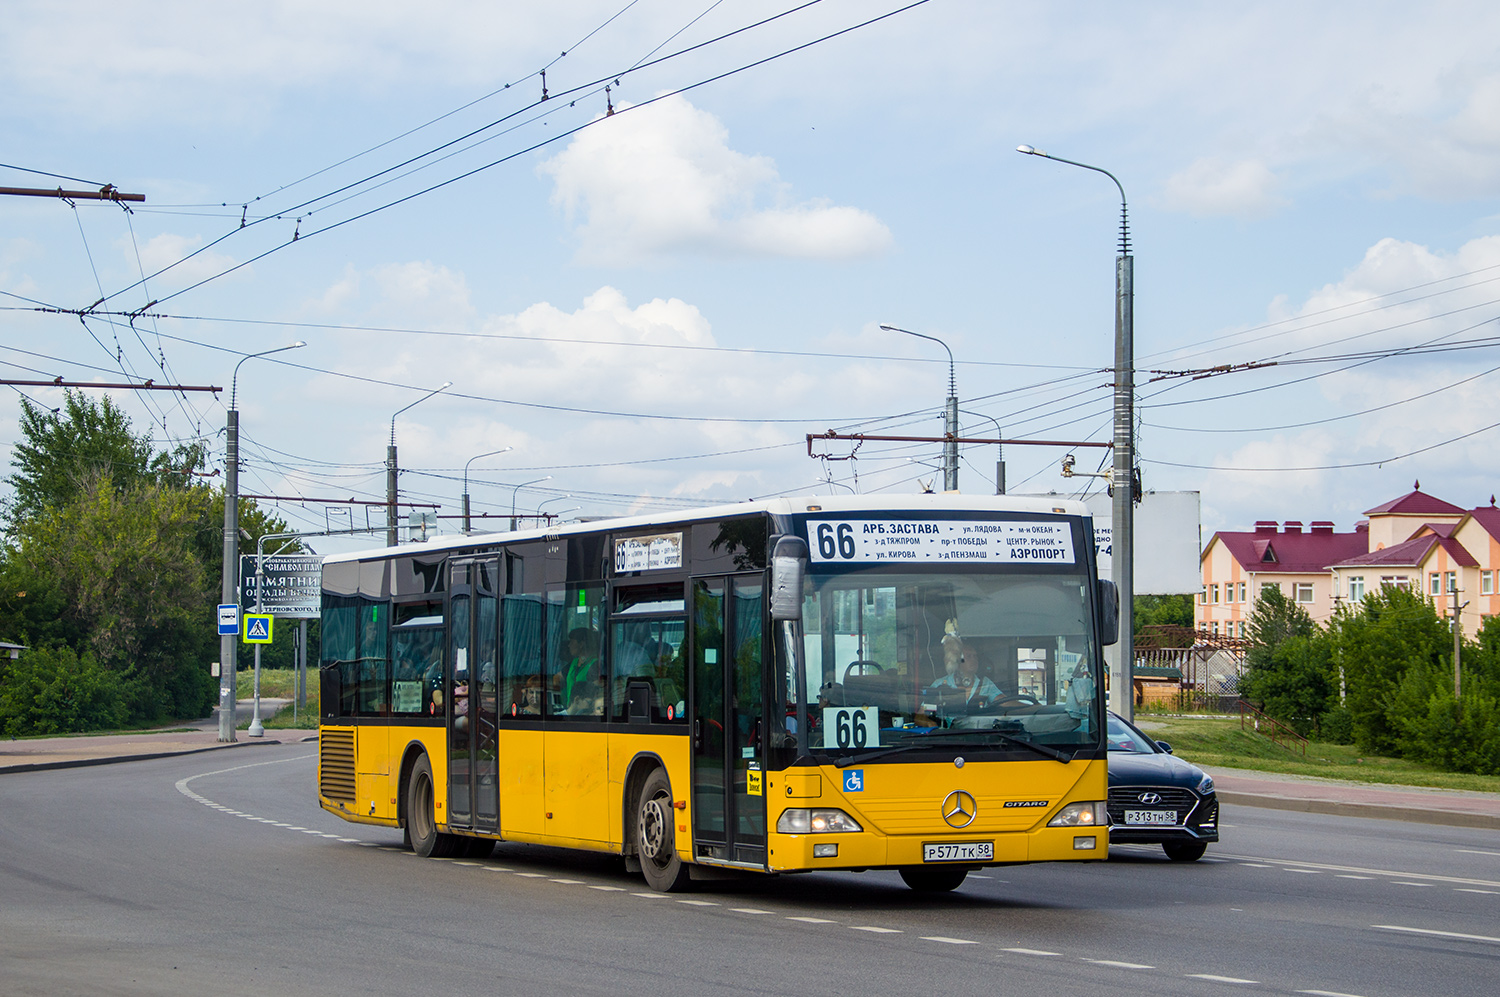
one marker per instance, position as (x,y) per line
(933,879)
(421,827)
(656,838)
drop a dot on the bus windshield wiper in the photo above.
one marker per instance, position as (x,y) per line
(948,739)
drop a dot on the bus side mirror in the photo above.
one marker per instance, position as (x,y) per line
(1108,598)
(788,565)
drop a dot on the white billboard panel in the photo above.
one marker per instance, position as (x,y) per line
(1167,541)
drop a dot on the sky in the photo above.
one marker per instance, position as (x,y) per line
(653,284)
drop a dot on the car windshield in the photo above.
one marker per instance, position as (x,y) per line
(1123,737)
(894,658)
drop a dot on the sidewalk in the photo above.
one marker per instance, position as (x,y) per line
(1241,787)
(39,754)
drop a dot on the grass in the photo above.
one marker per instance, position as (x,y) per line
(280,683)
(1215,741)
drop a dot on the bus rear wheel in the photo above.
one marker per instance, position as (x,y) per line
(421,827)
(656,837)
(933,879)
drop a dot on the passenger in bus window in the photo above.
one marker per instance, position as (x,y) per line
(582,691)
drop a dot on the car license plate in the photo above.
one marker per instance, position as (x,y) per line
(966,851)
(1151,816)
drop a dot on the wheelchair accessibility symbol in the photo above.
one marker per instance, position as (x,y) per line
(854,780)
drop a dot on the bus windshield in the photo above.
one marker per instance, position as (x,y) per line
(901,658)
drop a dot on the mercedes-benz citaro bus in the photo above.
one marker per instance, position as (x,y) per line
(860,682)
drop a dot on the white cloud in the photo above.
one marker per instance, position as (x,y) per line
(167,249)
(1211,186)
(662,180)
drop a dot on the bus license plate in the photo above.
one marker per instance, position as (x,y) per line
(1151,816)
(965,851)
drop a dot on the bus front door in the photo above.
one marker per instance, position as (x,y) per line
(729,822)
(473,741)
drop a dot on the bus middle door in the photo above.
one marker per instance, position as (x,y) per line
(729,822)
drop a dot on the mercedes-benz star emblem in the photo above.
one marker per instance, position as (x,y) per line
(1149,798)
(959,809)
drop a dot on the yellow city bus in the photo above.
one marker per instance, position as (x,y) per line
(859,682)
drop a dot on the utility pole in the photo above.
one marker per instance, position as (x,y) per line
(1458,641)
(950,413)
(390,468)
(1122,513)
(229,592)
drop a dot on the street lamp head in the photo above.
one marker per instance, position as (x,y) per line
(297,344)
(1028,150)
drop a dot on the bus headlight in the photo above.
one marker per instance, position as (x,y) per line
(798,821)
(1081,815)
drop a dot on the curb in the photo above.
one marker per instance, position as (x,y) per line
(75,763)
(1449,818)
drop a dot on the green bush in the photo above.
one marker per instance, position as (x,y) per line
(1337,726)
(55,691)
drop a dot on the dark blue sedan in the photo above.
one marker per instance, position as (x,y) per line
(1156,798)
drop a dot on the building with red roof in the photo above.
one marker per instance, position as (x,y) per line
(1416,541)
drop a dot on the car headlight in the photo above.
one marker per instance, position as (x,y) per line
(1092,814)
(1206,786)
(798,821)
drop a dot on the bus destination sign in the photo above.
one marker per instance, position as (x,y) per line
(1016,541)
(653,553)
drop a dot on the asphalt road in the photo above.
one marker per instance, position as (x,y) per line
(218,874)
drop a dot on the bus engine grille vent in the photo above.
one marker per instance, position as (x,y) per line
(336,764)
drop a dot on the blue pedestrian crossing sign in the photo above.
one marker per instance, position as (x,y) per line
(258,628)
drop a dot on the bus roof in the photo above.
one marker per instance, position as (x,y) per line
(883,503)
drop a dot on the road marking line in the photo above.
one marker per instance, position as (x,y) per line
(1248,860)
(496,868)
(292,827)
(334,836)
(1119,965)
(351,841)
(1347,875)
(975,875)
(948,941)
(472,865)
(1306,872)
(1439,934)
(367,844)
(1030,951)
(532,875)
(1255,865)
(568,882)
(1218,979)
(1470,889)
(609,889)
(812,920)
(1400,883)
(1327,993)
(1474,851)
(648,896)
(751,910)
(877,930)
(698,903)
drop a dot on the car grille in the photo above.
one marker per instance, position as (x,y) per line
(1122,798)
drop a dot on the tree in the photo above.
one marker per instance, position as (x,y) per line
(1391,633)
(1289,665)
(59,451)
(1165,611)
(131,587)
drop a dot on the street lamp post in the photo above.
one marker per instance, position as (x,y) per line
(555,498)
(390,467)
(517,488)
(228,651)
(950,413)
(466,480)
(999,451)
(1123,479)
